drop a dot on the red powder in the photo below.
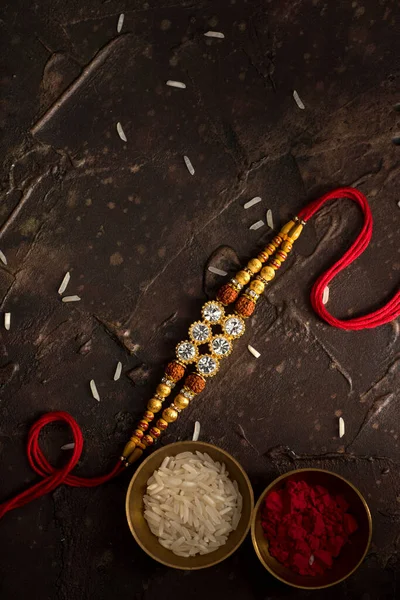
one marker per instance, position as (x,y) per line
(306,526)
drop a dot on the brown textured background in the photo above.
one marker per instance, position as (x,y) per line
(137,231)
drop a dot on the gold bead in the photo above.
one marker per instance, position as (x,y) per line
(286,246)
(163,390)
(277,240)
(295,232)
(254,265)
(135,440)
(181,401)
(170,415)
(285,229)
(242,277)
(267,273)
(257,286)
(162,424)
(154,405)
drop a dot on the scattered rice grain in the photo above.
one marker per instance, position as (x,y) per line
(256,225)
(120,22)
(70,446)
(298,100)
(325,295)
(7,320)
(217,271)
(341,427)
(71,299)
(311,561)
(188,164)
(176,84)
(93,388)
(196,432)
(3,257)
(64,283)
(215,34)
(270,219)
(118,371)
(121,132)
(253,351)
(252,202)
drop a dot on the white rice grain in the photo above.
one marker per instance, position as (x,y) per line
(176,84)
(256,225)
(64,283)
(252,202)
(121,132)
(120,22)
(253,351)
(71,299)
(118,371)
(196,433)
(3,258)
(298,100)
(93,388)
(217,271)
(341,427)
(70,446)
(311,560)
(325,295)
(215,34)
(189,165)
(7,320)
(270,219)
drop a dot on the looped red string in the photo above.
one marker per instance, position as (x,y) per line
(381,316)
(53,477)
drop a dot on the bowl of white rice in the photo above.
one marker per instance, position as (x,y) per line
(189,505)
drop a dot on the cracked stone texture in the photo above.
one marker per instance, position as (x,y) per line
(136,231)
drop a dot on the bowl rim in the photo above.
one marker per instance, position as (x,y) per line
(255,542)
(241,539)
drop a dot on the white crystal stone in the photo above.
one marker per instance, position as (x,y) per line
(212,312)
(234,326)
(200,332)
(206,365)
(220,346)
(186,351)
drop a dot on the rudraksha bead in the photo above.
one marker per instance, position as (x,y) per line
(244,306)
(195,383)
(227,294)
(175,371)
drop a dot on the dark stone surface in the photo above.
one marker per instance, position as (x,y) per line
(136,232)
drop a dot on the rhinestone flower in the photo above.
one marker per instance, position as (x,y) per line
(168,382)
(213,312)
(207,365)
(186,351)
(188,394)
(233,327)
(199,332)
(220,346)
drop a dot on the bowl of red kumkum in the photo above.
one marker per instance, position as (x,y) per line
(311,528)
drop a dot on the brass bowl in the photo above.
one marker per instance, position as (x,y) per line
(149,542)
(351,555)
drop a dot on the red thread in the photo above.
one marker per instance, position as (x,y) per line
(53,477)
(389,311)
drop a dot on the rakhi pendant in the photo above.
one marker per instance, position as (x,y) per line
(205,347)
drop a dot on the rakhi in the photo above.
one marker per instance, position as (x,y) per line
(243,292)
